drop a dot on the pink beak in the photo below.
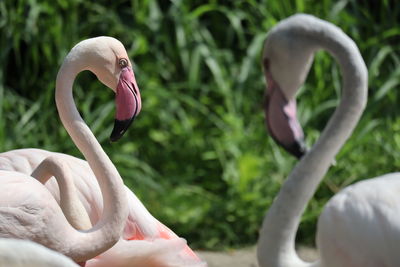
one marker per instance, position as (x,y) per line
(128,103)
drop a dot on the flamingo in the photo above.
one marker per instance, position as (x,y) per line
(28,210)
(25,253)
(144,242)
(360,225)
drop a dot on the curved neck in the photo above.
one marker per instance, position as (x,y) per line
(277,239)
(109,228)
(70,204)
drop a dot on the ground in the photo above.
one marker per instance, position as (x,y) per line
(245,257)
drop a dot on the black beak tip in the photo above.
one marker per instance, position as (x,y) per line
(115,137)
(297,149)
(120,127)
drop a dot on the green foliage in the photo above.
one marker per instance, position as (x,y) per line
(198,155)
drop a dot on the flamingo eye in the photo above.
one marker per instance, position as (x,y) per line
(123,62)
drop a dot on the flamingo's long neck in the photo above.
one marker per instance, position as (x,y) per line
(277,238)
(109,228)
(70,203)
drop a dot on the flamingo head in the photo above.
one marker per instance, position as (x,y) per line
(286,64)
(107,58)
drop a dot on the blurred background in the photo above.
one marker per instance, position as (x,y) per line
(198,155)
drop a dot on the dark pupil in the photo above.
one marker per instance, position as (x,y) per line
(122,63)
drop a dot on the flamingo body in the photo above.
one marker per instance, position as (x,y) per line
(25,253)
(360,225)
(141,228)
